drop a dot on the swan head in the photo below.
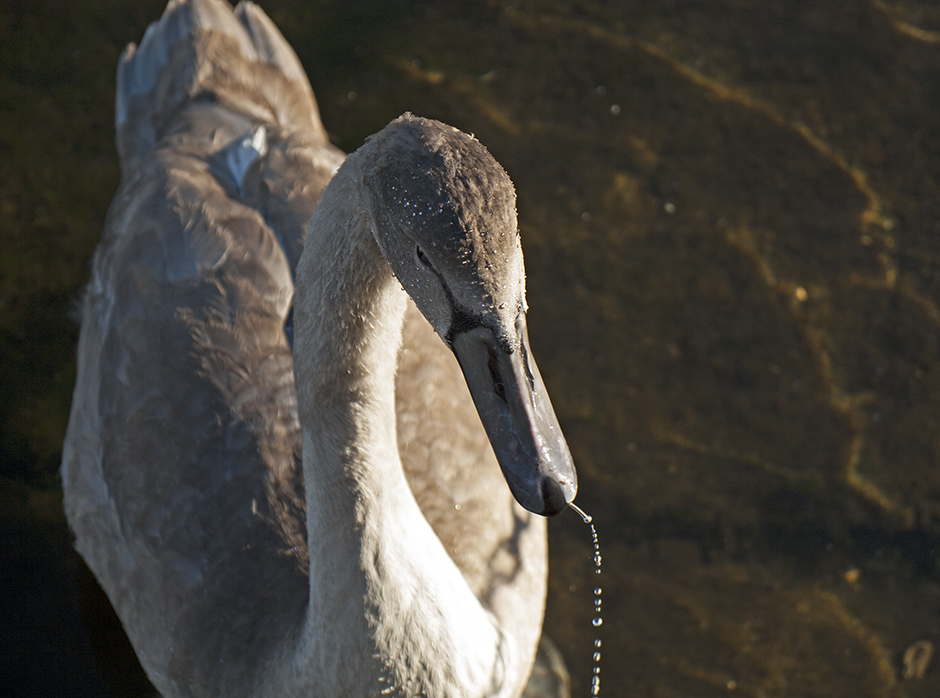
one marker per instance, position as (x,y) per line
(443,213)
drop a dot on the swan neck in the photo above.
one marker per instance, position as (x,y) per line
(348,315)
(349,342)
(383,591)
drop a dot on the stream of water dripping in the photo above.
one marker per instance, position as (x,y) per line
(597,621)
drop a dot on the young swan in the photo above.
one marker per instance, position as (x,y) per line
(347,532)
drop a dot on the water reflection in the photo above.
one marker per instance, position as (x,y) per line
(729,212)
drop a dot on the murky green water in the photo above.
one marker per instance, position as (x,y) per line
(731,218)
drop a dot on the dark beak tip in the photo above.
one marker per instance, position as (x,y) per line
(554,500)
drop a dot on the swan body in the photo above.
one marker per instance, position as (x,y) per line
(273,466)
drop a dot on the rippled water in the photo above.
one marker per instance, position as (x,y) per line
(730,217)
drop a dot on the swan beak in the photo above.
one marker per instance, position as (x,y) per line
(518,417)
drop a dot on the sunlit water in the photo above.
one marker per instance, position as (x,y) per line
(733,287)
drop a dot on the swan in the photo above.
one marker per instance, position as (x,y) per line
(286,484)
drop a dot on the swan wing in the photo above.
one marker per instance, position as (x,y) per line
(181,467)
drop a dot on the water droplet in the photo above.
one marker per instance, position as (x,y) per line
(577,509)
(597,621)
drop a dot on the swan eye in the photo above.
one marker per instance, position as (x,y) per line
(423,258)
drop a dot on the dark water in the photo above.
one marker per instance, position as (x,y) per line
(731,219)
